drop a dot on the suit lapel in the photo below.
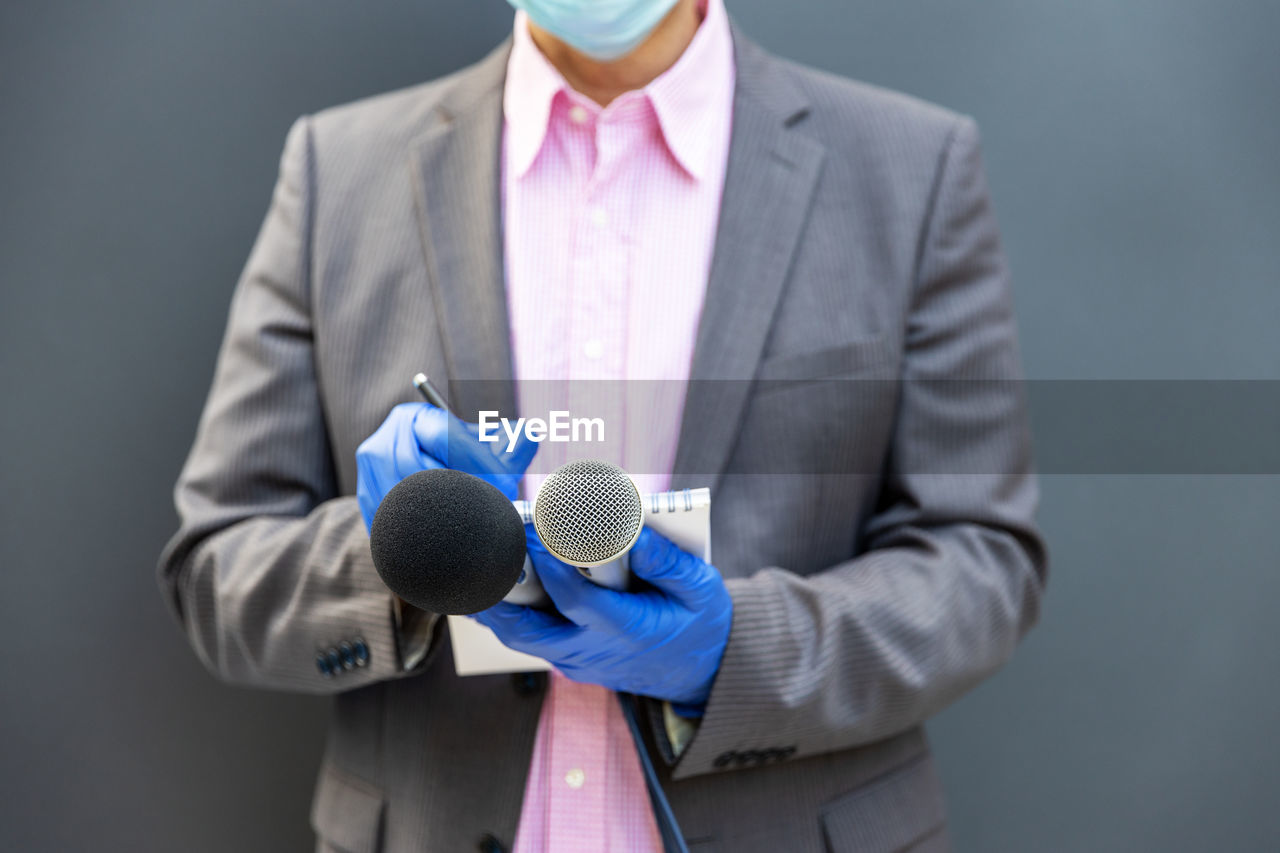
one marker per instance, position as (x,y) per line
(770,178)
(771,175)
(457,168)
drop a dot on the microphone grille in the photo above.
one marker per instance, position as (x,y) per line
(588,512)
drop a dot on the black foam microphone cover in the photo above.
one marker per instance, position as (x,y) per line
(447,542)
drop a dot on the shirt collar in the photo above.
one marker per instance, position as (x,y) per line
(686,98)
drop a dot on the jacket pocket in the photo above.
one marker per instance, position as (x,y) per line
(901,810)
(875,354)
(347,812)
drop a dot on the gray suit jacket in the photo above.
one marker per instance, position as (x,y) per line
(877,536)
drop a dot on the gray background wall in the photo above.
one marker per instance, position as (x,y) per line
(1132,150)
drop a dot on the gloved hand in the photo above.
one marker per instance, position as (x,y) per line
(417,437)
(665,642)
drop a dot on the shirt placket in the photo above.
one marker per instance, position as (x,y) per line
(600,283)
(576,809)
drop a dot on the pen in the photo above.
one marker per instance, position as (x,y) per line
(429,391)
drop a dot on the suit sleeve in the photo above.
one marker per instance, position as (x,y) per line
(953,570)
(270,572)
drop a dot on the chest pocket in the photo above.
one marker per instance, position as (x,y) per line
(828,411)
(874,357)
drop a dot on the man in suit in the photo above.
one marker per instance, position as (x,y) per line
(629,190)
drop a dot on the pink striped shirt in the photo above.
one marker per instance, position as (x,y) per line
(610,222)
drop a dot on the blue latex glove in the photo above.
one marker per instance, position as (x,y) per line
(417,437)
(665,642)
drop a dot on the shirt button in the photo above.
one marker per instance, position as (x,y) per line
(599,218)
(578,114)
(575,778)
(593,349)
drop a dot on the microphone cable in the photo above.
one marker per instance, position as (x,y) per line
(672,837)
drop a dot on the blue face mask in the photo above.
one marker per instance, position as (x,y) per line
(605,30)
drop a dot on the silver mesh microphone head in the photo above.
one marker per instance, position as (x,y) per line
(588,513)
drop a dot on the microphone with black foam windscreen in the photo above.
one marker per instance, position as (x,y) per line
(448,542)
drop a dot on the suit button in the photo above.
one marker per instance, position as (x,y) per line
(348,655)
(488,843)
(361,651)
(335,661)
(322,664)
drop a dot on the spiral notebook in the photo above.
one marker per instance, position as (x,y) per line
(682,516)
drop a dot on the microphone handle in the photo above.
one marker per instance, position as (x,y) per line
(614,574)
(528,590)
